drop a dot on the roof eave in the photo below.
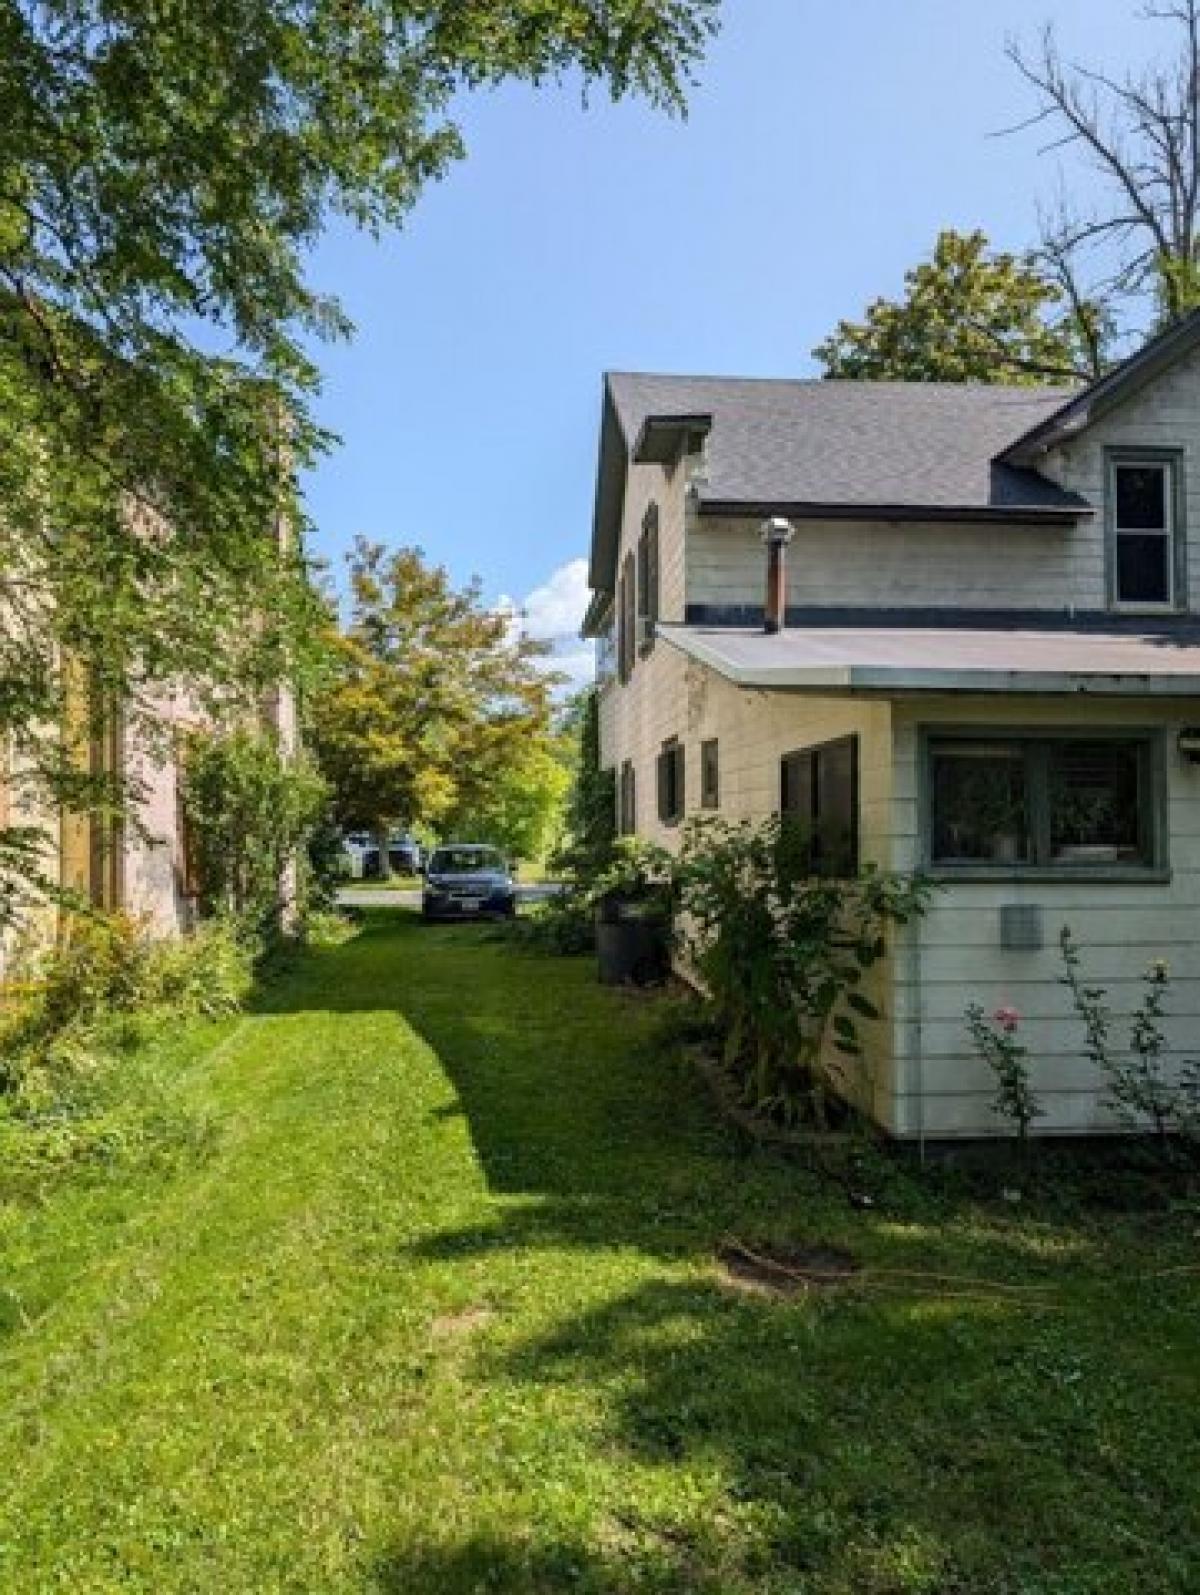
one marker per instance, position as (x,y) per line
(663,437)
(1053,515)
(1106,393)
(597,609)
(888,680)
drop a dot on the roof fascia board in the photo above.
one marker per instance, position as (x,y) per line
(662,437)
(889,679)
(735,509)
(612,471)
(1104,395)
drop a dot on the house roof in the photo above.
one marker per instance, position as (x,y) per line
(850,445)
(944,659)
(858,450)
(828,450)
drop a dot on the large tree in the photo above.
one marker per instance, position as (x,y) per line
(164,171)
(1139,133)
(438,709)
(971,314)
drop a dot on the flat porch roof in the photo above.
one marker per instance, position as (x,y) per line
(817,659)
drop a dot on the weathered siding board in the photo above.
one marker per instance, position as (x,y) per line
(859,565)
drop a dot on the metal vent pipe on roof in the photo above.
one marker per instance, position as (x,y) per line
(776,534)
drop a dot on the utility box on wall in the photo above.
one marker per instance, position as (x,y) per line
(1021,928)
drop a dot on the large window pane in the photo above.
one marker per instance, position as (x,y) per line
(1142,497)
(981,804)
(1143,568)
(1094,803)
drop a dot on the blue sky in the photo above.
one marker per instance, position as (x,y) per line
(825,147)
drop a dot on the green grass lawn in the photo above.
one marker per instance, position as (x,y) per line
(433,1307)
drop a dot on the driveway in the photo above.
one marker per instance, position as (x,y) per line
(410,897)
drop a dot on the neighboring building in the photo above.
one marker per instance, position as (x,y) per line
(141,865)
(988,670)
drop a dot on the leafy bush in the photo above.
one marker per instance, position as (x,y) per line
(249,813)
(563,927)
(783,955)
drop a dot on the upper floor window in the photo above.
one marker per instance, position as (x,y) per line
(626,612)
(647,580)
(1146,559)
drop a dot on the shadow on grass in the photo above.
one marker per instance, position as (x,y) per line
(1030,1431)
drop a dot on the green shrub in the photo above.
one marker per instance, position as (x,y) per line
(564,927)
(250,812)
(783,955)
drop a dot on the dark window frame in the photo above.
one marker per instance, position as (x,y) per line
(814,820)
(1172,461)
(627,799)
(1153,806)
(647,608)
(710,773)
(626,618)
(671,772)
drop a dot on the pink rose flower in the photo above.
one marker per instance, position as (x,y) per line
(1008,1019)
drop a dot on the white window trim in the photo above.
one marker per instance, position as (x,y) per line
(1170,462)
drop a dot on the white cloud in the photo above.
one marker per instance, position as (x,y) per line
(553,613)
(555,610)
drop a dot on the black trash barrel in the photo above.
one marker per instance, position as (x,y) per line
(632,944)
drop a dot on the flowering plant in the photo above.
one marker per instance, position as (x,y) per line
(997,1041)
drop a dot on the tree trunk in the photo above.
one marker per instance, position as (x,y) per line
(385,863)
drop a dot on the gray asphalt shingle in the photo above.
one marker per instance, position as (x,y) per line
(926,445)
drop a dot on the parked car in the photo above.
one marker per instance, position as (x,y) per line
(406,856)
(468,880)
(356,846)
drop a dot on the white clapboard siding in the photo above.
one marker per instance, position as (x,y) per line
(857,565)
(1121,928)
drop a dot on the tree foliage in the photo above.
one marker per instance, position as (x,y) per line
(1140,133)
(591,819)
(438,710)
(249,812)
(971,314)
(164,171)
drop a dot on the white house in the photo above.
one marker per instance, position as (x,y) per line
(979,658)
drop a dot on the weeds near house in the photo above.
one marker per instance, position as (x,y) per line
(997,1043)
(87,1009)
(1142,1087)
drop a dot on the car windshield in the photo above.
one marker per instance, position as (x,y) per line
(464,860)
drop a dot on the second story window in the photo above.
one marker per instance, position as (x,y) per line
(1146,560)
(647,580)
(626,619)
